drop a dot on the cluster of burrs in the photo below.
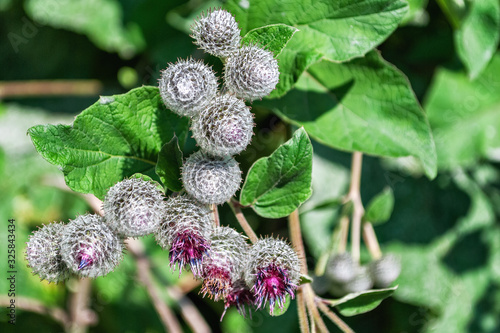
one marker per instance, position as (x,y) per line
(222,123)
(345,276)
(230,269)
(222,126)
(93,245)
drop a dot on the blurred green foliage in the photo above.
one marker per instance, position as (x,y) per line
(445,230)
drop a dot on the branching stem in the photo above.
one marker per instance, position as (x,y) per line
(301,309)
(333,317)
(236,207)
(167,317)
(371,241)
(81,316)
(354,196)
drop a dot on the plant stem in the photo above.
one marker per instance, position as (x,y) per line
(215,213)
(344,231)
(236,207)
(296,236)
(81,316)
(301,309)
(333,317)
(311,305)
(32,305)
(189,312)
(371,241)
(354,196)
(167,317)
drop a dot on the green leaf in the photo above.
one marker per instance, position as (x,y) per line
(272,37)
(365,105)
(100,20)
(169,165)
(277,185)
(357,303)
(112,139)
(465,116)
(380,207)
(477,38)
(336,30)
(277,311)
(339,30)
(330,179)
(293,61)
(148,179)
(305,279)
(416,14)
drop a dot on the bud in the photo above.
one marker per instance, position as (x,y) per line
(211,180)
(251,73)
(185,231)
(340,268)
(385,270)
(89,247)
(224,127)
(43,253)
(187,87)
(272,272)
(133,207)
(360,282)
(223,266)
(217,33)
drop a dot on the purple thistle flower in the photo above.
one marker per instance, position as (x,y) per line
(239,296)
(185,231)
(85,258)
(216,282)
(223,266)
(272,272)
(188,248)
(272,283)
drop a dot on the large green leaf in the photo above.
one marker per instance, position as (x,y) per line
(112,139)
(465,116)
(365,105)
(169,165)
(361,302)
(276,185)
(272,37)
(100,20)
(477,38)
(337,30)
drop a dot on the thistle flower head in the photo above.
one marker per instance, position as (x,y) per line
(224,265)
(224,127)
(239,296)
(272,272)
(211,180)
(185,231)
(217,33)
(133,207)
(43,253)
(89,247)
(251,73)
(187,86)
